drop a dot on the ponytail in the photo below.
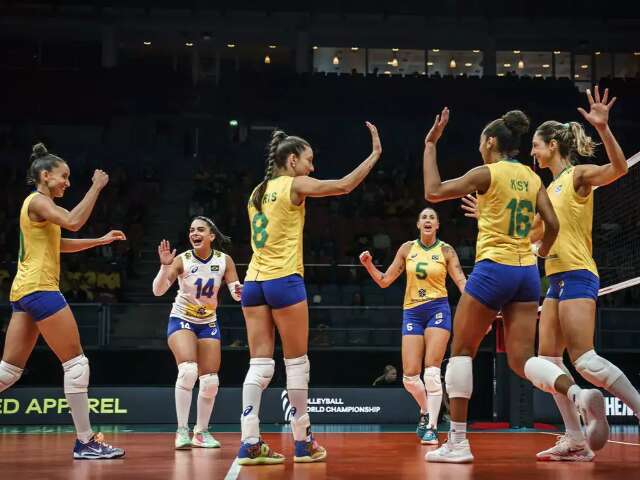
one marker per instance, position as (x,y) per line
(221,241)
(279,148)
(571,138)
(582,143)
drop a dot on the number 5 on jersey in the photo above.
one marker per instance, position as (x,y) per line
(259,228)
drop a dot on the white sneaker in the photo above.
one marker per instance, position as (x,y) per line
(451,452)
(566,449)
(590,404)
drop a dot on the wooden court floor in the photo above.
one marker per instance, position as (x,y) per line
(351,456)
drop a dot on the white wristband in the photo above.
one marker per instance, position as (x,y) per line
(161,283)
(232,290)
(535,247)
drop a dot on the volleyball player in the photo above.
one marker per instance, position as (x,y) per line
(193,331)
(274,295)
(568,312)
(39,308)
(426,322)
(505,276)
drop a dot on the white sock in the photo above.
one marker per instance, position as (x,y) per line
(183,405)
(567,409)
(626,392)
(251,396)
(434,402)
(205,407)
(299,400)
(79,405)
(458,431)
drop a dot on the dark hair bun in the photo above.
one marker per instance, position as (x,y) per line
(39,150)
(516,121)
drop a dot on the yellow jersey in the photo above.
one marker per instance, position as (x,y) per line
(276,233)
(426,269)
(39,257)
(507,210)
(573,248)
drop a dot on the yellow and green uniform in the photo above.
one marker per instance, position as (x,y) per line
(276,233)
(426,269)
(39,257)
(507,211)
(573,248)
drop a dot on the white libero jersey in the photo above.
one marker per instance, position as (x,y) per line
(199,283)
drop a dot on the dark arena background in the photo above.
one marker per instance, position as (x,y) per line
(176,102)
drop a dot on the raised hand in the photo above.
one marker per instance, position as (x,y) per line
(165,253)
(438,127)
(366,258)
(100,179)
(112,236)
(376,145)
(470,206)
(598,114)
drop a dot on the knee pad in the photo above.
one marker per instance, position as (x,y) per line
(560,363)
(432,381)
(542,373)
(459,377)
(209,385)
(76,374)
(260,372)
(297,373)
(9,374)
(597,370)
(412,384)
(187,375)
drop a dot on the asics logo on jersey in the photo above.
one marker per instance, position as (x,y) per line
(439,318)
(194,269)
(558,189)
(413,256)
(247,410)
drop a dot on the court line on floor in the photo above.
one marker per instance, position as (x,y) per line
(610,441)
(234,470)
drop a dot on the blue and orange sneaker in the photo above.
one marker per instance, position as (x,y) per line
(258,454)
(308,451)
(96,449)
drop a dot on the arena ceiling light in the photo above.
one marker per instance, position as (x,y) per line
(452,63)
(520,63)
(355,49)
(272,46)
(468,64)
(188,44)
(556,52)
(584,67)
(475,51)
(545,65)
(147,43)
(336,60)
(231,45)
(267,59)
(436,50)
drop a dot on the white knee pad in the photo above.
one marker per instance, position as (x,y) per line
(459,377)
(597,370)
(187,375)
(209,385)
(432,381)
(260,372)
(297,373)
(413,383)
(76,374)
(542,373)
(560,363)
(9,374)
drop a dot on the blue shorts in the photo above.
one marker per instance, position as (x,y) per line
(40,305)
(277,293)
(201,330)
(496,285)
(435,313)
(573,284)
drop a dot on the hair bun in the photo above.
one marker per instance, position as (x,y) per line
(39,150)
(516,121)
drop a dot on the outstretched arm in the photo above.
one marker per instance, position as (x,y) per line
(72,245)
(305,186)
(44,208)
(393,272)
(435,190)
(598,116)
